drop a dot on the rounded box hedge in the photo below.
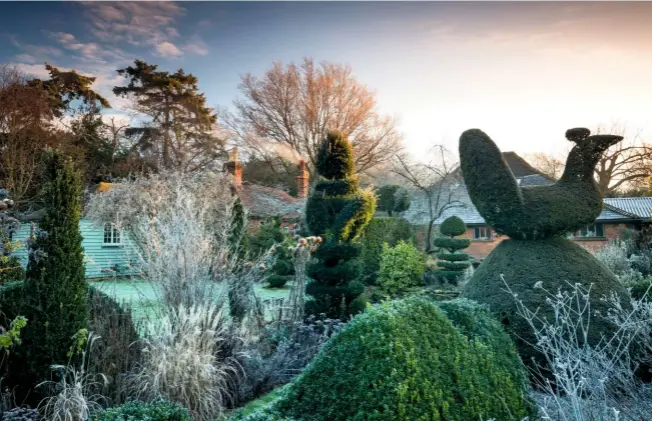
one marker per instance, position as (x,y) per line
(404,360)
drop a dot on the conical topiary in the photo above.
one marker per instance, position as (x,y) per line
(452,262)
(338,211)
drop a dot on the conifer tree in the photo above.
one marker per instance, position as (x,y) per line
(55,286)
(337,210)
(452,262)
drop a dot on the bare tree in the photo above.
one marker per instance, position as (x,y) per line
(438,180)
(24,110)
(549,165)
(627,164)
(290,109)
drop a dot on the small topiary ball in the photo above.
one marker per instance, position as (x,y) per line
(277,281)
(452,227)
(577,134)
(404,360)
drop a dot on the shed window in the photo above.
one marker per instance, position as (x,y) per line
(590,231)
(111,235)
(482,233)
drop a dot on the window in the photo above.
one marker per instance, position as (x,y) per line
(111,235)
(590,231)
(482,233)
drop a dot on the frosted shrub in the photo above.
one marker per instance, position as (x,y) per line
(589,383)
(615,255)
(182,230)
(183,362)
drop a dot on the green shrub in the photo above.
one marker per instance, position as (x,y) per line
(476,322)
(401,267)
(404,360)
(10,269)
(277,281)
(340,218)
(452,227)
(139,411)
(452,263)
(639,288)
(392,198)
(378,232)
(55,301)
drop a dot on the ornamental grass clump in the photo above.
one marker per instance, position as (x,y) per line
(182,362)
(404,360)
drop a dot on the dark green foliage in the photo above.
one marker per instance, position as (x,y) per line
(452,227)
(476,322)
(55,285)
(139,411)
(639,289)
(12,298)
(277,281)
(377,232)
(238,238)
(273,236)
(551,262)
(340,218)
(404,360)
(116,350)
(452,244)
(533,212)
(335,157)
(452,263)
(10,269)
(392,198)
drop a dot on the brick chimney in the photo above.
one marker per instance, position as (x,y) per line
(234,167)
(303,180)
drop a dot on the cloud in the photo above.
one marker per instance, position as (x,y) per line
(137,23)
(25,58)
(167,49)
(36,70)
(36,50)
(196,46)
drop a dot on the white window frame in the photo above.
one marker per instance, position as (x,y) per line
(589,233)
(479,229)
(114,236)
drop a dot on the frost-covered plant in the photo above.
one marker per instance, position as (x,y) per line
(182,229)
(73,396)
(615,255)
(184,361)
(21,414)
(584,382)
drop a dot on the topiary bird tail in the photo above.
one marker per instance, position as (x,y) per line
(490,183)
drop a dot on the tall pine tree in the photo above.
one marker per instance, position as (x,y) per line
(55,287)
(180,132)
(337,210)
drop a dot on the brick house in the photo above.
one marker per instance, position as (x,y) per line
(617,213)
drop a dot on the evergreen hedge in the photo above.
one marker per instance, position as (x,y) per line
(133,411)
(55,293)
(404,360)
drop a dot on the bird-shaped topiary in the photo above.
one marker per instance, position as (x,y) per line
(451,262)
(338,211)
(537,220)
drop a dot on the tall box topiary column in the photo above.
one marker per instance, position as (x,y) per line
(452,262)
(338,211)
(537,221)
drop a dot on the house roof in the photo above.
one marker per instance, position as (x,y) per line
(519,166)
(627,207)
(267,202)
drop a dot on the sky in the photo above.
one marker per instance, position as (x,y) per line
(523,72)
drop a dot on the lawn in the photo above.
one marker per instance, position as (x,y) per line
(143,298)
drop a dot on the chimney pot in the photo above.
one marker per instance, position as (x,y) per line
(303,180)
